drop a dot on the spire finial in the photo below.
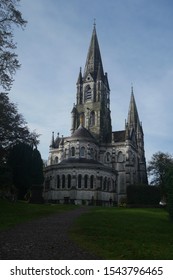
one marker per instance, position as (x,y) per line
(131,88)
(94,24)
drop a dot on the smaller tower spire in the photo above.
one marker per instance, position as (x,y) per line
(133,118)
(53,140)
(79,81)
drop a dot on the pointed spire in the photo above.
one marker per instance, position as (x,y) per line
(133,118)
(94,24)
(106,80)
(94,57)
(62,141)
(53,140)
(79,81)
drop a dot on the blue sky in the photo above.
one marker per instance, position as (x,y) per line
(136,43)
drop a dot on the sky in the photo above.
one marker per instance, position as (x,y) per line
(136,44)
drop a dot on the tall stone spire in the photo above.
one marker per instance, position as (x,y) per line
(133,118)
(94,61)
(93,95)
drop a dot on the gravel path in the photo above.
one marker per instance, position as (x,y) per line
(43,239)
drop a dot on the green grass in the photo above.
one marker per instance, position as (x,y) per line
(116,233)
(19,212)
(110,233)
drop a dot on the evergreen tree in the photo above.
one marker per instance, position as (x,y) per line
(20,162)
(27,169)
(37,168)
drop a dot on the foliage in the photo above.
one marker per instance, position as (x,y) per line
(7,189)
(10,17)
(13,127)
(14,136)
(157,168)
(143,195)
(20,162)
(169,189)
(37,168)
(161,168)
(123,201)
(125,234)
(27,168)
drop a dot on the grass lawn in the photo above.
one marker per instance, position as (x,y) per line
(18,212)
(121,233)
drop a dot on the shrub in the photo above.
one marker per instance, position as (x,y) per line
(143,195)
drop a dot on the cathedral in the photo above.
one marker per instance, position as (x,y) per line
(94,165)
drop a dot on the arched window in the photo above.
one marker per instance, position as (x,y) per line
(122,183)
(82,151)
(91,181)
(63,181)
(58,181)
(72,151)
(69,181)
(88,94)
(82,119)
(56,160)
(95,156)
(85,181)
(109,185)
(92,153)
(120,157)
(79,181)
(108,157)
(92,118)
(105,183)
(113,185)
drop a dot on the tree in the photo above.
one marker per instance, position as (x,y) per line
(13,128)
(37,168)
(27,168)
(157,169)
(20,163)
(37,178)
(10,17)
(140,194)
(169,189)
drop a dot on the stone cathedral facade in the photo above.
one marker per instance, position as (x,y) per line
(94,165)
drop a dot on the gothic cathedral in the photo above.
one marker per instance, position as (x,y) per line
(95,165)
